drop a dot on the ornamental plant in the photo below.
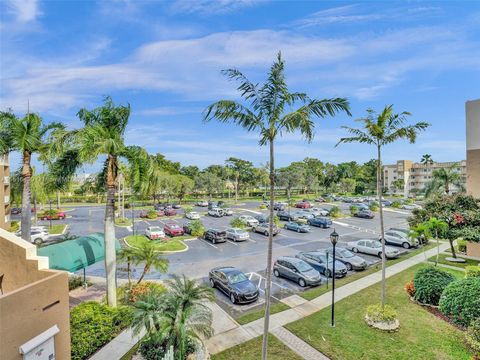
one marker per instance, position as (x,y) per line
(472,271)
(335,212)
(353,209)
(410,288)
(461,301)
(429,284)
(151,214)
(472,338)
(377,313)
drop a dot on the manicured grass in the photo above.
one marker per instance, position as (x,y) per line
(442,260)
(252,350)
(123,221)
(258,314)
(422,335)
(171,244)
(317,291)
(56,229)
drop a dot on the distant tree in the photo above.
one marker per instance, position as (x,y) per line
(426,159)
(183,185)
(437,228)
(210,183)
(398,184)
(330,176)
(443,180)
(242,171)
(347,185)
(191,171)
(290,177)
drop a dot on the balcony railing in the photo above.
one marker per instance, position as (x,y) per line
(7,199)
(7,218)
(4,159)
(6,180)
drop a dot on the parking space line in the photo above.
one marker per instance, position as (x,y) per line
(232,242)
(206,242)
(251,240)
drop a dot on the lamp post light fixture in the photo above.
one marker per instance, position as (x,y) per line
(333,239)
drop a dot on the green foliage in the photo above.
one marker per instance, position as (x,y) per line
(335,212)
(74,282)
(92,325)
(123,221)
(429,284)
(374,206)
(276,220)
(353,209)
(262,207)
(237,223)
(472,271)
(462,245)
(461,301)
(14,226)
(197,228)
(151,214)
(154,347)
(472,337)
(396,204)
(379,314)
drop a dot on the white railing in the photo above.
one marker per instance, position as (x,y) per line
(6,180)
(7,199)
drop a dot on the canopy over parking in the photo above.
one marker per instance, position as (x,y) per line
(77,254)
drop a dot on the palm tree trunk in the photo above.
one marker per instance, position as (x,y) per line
(146,269)
(110,253)
(382,229)
(268,284)
(58,200)
(26,202)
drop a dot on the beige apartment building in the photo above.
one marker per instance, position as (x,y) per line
(415,175)
(34,304)
(472,109)
(4,192)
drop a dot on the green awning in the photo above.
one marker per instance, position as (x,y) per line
(77,254)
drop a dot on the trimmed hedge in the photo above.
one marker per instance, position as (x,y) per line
(461,301)
(429,284)
(92,325)
(472,271)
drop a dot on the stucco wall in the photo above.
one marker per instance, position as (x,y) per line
(473,249)
(472,109)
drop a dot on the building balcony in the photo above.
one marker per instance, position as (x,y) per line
(6,180)
(4,160)
(7,199)
(7,219)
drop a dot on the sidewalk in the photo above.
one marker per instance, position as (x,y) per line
(223,340)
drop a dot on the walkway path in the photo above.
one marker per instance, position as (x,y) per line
(233,336)
(297,345)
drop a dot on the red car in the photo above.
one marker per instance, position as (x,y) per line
(50,216)
(303,205)
(170,212)
(160,213)
(172,229)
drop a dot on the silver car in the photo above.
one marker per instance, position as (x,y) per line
(372,247)
(248,220)
(351,261)
(400,239)
(237,234)
(264,229)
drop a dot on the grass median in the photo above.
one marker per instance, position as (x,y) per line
(422,335)
(56,229)
(170,244)
(442,260)
(258,314)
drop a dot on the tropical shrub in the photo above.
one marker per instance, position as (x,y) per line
(410,288)
(353,209)
(461,301)
(14,226)
(462,245)
(197,228)
(396,204)
(472,338)
(429,284)
(74,282)
(151,214)
(379,314)
(276,220)
(142,289)
(262,207)
(237,223)
(122,221)
(92,325)
(374,206)
(472,271)
(153,347)
(335,212)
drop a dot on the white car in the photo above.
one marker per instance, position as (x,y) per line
(410,206)
(371,247)
(192,215)
(216,212)
(202,203)
(400,238)
(317,211)
(249,220)
(237,234)
(37,235)
(154,232)
(227,212)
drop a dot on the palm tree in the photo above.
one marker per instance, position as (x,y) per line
(267,110)
(103,134)
(426,159)
(179,316)
(444,179)
(29,136)
(148,255)
(421,232)
(437,227)
(380,130)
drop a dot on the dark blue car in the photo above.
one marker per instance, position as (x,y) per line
(233,283)
(322,222)
(318,260)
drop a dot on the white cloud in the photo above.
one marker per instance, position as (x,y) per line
(24,10)
(211,7)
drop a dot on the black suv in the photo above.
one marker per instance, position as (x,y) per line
(262,218)
(233,283)
(215,236)
(286,215)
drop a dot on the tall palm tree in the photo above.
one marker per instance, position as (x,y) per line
(267,110)
(444,179)
(421,232)
(426,159)
(438,227)
(29,136)
(177,317)
(148,255)
(380,130)
(103,135)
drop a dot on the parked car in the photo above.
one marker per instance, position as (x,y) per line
(215,204)
(279,206)
(144,214)
(173,229)
(37,236)
(159,206)
(362,206)
(386,202)
(227,212)
(202,203)
(264,229)
(318,260)
(262,218)
(52,215)
(320,199)
(303,215)
(215,235)
(237,234)
(410,206)
(216,212)
(322,222)
(303,205)
(16,211)
(294,226)
(296,270)
(192,215)
(365,214)
(160,213)
(233,283)
(170,212)
(176,206)
(348,258)
(154,232)
(317,211)
(187,227)
(286,215)
(372,247)
(400,239)
(248,220)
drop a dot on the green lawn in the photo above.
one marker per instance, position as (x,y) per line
(257,314)
(320,290)
(252,350)
(171,244)
(123,221)
(56,229)
(442,260)
(421,336)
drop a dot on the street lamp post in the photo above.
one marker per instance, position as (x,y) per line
(50,201)
(334,240)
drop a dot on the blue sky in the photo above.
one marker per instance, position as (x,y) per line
(165,57)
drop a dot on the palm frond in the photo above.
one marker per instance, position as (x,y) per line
(231,111)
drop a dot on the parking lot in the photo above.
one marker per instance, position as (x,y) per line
(249,256)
